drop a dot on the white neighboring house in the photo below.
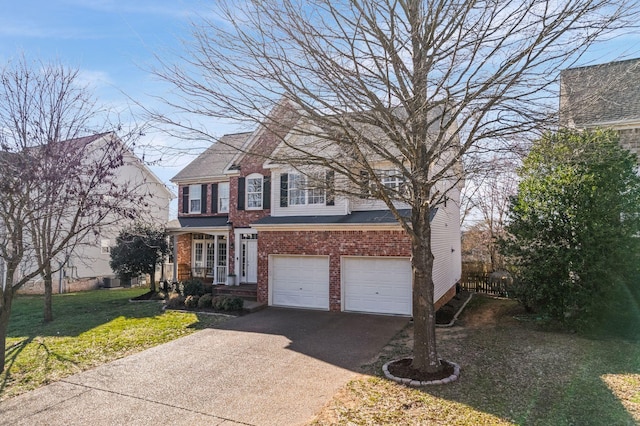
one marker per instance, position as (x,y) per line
(87,266)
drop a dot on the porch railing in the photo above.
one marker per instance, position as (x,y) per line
(221,275)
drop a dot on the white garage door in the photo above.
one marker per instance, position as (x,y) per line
(300,281)
(379,285)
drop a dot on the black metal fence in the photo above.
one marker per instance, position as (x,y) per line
(484,283)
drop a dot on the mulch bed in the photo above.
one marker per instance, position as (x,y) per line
(150,295)
(208,311)
(402,368)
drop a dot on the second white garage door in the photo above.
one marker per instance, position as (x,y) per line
(300,281)
(379,285)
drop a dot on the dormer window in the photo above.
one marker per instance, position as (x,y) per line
(254,188)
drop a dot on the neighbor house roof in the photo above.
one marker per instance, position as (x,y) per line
(603,94)
(212,162)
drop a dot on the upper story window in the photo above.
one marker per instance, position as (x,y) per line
(306,189)
(195,201)
(391,179)
(254,191)
(223,197)
(105,246)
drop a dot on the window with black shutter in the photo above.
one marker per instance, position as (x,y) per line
(203,197)
(214,198)
(330,188)
(284,190)
(240,193)
(365,189)
(185,199)
(266,197)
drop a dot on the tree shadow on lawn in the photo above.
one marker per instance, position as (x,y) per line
(75,313)
(513,370)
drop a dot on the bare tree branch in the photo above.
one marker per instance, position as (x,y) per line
(411,84)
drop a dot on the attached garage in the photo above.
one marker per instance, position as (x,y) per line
(299,281)
(379,285)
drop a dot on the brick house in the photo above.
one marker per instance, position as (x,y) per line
(301,246)
(606,96)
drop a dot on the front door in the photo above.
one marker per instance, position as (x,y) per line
(249,264)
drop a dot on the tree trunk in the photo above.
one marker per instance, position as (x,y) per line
(48,293)
(5,313)
(152,284)
(425,355)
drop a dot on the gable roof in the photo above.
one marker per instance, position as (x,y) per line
(604,94)
(309,138)
(212,163)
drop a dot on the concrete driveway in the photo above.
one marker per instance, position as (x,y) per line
(274,367)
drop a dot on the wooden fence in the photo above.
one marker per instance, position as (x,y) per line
(483,283)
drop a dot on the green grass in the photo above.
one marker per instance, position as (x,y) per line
(513,372)
(89,329)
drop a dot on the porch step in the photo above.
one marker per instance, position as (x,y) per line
(251,306)
(246,291)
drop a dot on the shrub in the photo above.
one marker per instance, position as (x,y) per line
(205,300)
(191,301)
(193,287)
(175,300)
(227,303)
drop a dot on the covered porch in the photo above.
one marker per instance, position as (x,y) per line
(201,249)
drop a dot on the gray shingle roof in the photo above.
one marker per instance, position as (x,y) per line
(359,217)
(600,94)
(212,162)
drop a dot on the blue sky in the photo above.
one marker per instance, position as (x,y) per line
(113,41)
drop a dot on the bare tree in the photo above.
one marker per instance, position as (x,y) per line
(488,201)
(56,189)
(415,83)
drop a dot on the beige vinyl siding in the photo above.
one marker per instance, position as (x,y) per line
(445,242)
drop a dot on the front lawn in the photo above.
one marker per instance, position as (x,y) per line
(89,329)
(513,372)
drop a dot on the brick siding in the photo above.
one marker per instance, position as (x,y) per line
(333,244)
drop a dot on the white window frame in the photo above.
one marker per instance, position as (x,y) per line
(223,197)
(105,246)
(195,194)
(256,202)
(391,179)
(299,194)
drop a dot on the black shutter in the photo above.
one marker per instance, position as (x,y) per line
(214,198)
(266,193)
(240,193)
(330,197)
(284,190)
(364,185)
(185,199)
(203,199)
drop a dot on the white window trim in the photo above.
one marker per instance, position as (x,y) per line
(391,178)
(261,192)
(220,198)
(105,246)
(195,193)
(305,190)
